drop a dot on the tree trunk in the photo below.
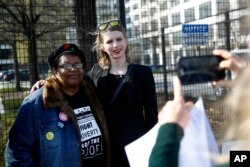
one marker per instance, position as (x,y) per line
(32,58)
(16,67)
(86,21)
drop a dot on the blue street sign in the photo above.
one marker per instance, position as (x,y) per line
(195,34)
(194,28)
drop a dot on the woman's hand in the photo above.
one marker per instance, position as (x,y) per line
(37,85)
(231,62)
(176,111)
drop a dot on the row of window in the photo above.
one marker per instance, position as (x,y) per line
(205,10)
(176,38)
(165,4)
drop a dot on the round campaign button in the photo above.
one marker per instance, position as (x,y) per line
(63,116)
(49,135)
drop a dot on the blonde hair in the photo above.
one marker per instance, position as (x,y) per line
(238,103)
(103,57)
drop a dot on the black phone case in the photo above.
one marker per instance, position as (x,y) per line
(199,69)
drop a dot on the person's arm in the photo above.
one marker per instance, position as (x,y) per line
(173,117)
(20,149)
(150,102)
(166,149)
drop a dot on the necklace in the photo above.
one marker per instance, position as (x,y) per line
(119,71)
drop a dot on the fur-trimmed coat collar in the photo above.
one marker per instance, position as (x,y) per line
(53,96)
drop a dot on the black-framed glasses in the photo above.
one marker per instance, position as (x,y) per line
(112,23)
(70,66)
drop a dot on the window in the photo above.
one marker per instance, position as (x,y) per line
(164,21)
(135,6)
(144,14)
(5,53)
(145,27)
(136,17)
(189,15)
(146,42)
(152,11)
(154,25)
(136,30)
(243,26)
(174,2)
(177,54)
(221,30)
(222,6)
(147,59)
(177,38)
(155,41)
(156,59)
(210,31)
(129,32)
(242,3)
(163,5)
(128,9)
(167,40)
(176,19)
(128,20)
(205,10)
(190,52)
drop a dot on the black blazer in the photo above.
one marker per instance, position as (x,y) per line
(133,112)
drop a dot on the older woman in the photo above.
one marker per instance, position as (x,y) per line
(62,124)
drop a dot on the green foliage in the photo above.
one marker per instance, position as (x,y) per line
(11,89)
(13,104)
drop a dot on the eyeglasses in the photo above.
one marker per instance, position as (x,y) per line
(70,66)
(112,23)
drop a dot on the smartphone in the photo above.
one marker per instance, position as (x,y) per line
(200,69)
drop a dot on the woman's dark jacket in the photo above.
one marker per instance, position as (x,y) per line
(28,144)
(133,112)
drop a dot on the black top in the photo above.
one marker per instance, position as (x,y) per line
(133,112)
(91,140)
(118,116)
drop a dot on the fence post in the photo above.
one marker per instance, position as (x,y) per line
(164,63)
(228,40)
(85,13)
(122,13)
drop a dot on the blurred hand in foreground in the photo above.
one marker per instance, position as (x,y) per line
(176,110)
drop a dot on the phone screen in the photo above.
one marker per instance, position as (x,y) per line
(200,69)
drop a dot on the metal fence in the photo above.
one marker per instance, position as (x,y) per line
(159,32)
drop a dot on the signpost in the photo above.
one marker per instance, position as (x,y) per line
(195,34)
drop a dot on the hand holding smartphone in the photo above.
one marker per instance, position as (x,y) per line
(200,69)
